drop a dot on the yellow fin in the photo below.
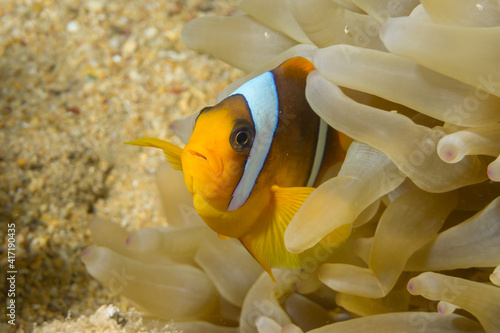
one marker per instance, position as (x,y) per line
(223,237)
(171,151)
(266,241)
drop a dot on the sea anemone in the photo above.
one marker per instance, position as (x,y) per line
(417,86)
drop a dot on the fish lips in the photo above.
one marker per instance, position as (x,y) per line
(200,164)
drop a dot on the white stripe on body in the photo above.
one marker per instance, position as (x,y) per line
(262,99)
(320,151)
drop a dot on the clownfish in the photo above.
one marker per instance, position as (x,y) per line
(254,158)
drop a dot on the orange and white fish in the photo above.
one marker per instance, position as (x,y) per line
(254,158)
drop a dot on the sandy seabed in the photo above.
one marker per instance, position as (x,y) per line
(77,79)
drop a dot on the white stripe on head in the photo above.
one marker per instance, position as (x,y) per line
(262,99)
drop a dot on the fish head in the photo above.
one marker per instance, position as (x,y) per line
(214,159)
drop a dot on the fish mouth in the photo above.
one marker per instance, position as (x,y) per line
(204,158)
(196,154)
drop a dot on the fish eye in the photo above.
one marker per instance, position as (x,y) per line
(242,136)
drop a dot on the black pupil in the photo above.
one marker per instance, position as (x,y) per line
(242,138)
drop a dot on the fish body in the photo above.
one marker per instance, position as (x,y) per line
(254,158)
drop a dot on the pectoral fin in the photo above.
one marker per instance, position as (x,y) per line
(266,241)
(171,151)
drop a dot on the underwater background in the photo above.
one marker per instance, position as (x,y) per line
(417,197)
(77,79)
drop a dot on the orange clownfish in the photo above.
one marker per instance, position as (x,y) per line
(254,158)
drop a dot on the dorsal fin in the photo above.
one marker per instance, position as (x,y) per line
(298,63)
(172,152)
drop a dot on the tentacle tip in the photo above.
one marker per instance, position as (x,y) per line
(445,308)
(89,255)
(86,252)
(293,250)
(412,288)
(442,310)
(495,278)
(260,320)
(448,154)
(494,172)
(291,243)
